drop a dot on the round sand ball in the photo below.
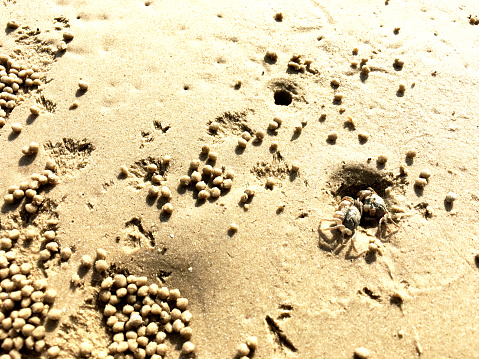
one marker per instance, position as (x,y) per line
(365,70)
(334,82)
(9,198)
(295,166)
(62,46)
(207,170)
(194,164)
(270,182)
(165,192)
(68,35)
(242,143)
(363,136)
(212,156)
(402,87)
(242,350)
(273,125)
(66,253)
(186,333)
(451,197)
(83,85)
(234,227)
(100,253)
(16,127)
(332,136)
(215,192)
(411,153)
(338,97)
(187,348)
(196,176)
(361,353)
(259,135)
(217,181)
(227,184)
(420,182)
(124,170)
(382,159)
(246,136)
(35,110)
(120,281)
(53,352)
(18,194)
(230,174)
(101,265)
(86,348)
(13,24)
(153,191)
(214,126)
(86,261)
(274,145)
(182,303)
(216,172)
(203,194)
(175,294)
(33,148)
(205,148)
(252,342)
(185,180)
(244,198)
(50,295)
(2,121)
(152,168)
(426,173)
(167,208)
(201,185)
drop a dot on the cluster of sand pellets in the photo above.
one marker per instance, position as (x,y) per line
(15,81)
(26,307)
(30,190)
(210,180)
(142,316)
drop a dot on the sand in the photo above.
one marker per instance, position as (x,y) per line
(355,85)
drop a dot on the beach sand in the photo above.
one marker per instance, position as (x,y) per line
(154,151)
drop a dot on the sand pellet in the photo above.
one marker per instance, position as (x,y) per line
(242,143)
(165,192)
(16,127)
(420,182)
(365,70)
(203,194)
(205,149)
(13,24)
(68,35)
(382,159)
(273,125)
(101,265)
(338,97)
(451,197)
(53,352)
(242,350)
(196,176)
(152,168)
(259,135)
(124,170)
(185,180)
(66,253)
(215,192)
(214,126)
(426,173)
(252,342)
(186,333)
(212,156)
(227,184)
(167,207)
(35,110)
(411,153)
(332,136)
(187,348)
(361,353)
(402,87)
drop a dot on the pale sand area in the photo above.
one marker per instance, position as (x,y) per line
(158,75)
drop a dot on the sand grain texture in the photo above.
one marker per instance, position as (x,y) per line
(252,258)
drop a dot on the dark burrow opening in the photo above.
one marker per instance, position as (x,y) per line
(283,97)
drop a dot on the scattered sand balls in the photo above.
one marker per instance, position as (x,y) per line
(204,149)
(332,136)
(165,192)
(271,56)
(167,208)
(35,110)
(278,16)
(274,145)
(365,70)
(382,159)
(242,350)
(215,192)
(411,153)
(16,127)
(335,82)
(420,182)
(259,135)
(13,24)
(425,173)
(242,143)
(185,180)
(68,35)
(361,353)
(273,125)
(401,87)
(363,136)
(451,197)
(66,253)
(295,166)
(270,182)
(31,149)
(153,191)
(86,261)
(83,85)
(398,62)
(234,227)
(252,342)
(214,126)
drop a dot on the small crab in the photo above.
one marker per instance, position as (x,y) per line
(373,205)
(347,218)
